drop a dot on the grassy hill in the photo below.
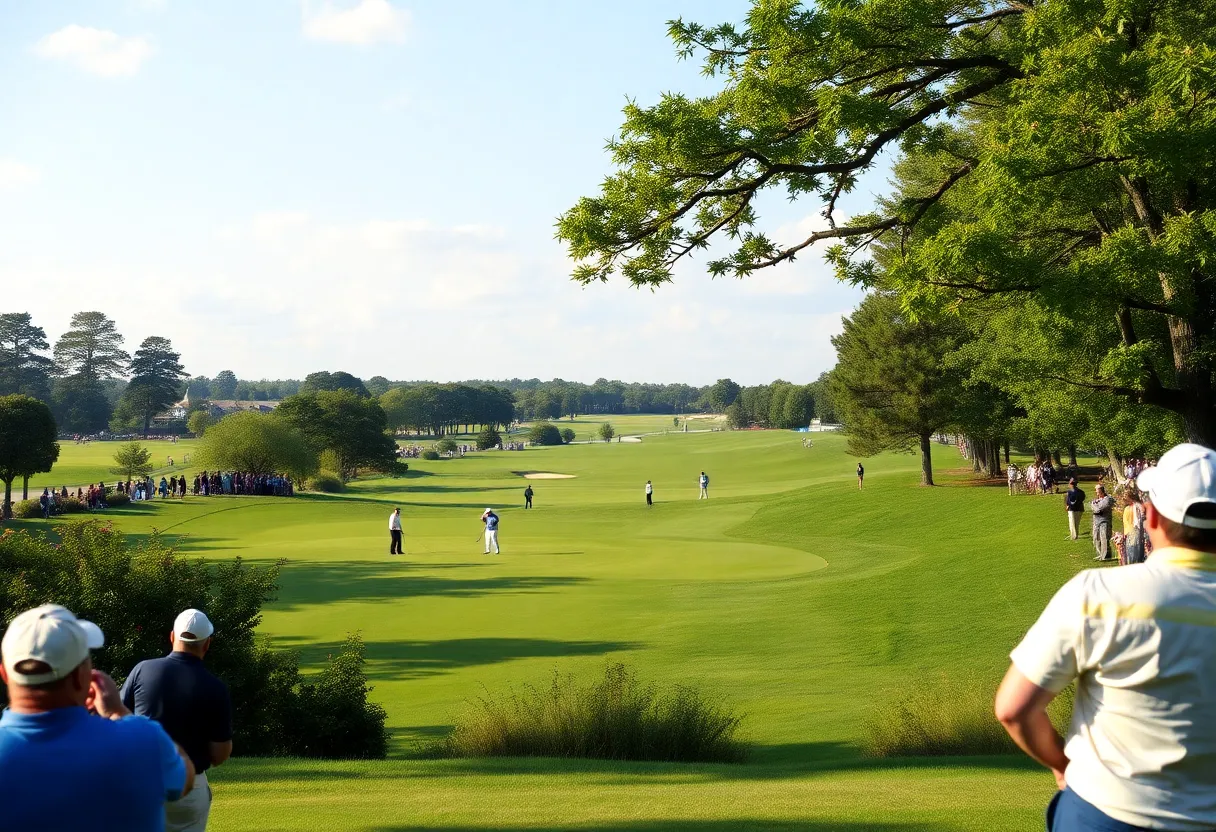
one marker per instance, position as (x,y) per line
(801,600)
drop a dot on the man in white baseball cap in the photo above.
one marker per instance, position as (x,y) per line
(192,705)
(71,755)
(1140,643)
(491,520)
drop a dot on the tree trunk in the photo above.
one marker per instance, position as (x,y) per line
(1055,456)
(926,460)
(7,510)
(994,458)
(1006,451)
(1072,455)
(1116,463)
(25,487)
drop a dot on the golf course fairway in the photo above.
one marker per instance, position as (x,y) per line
(801,601)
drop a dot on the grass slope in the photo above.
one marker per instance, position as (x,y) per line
(800,599)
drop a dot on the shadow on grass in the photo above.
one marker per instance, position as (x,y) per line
(688,825)
(302,584)
(395,660)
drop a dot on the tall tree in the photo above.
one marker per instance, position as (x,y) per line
(91,348)
(259,443)
(223,386)
(378,385)
(723,394)
(27,442)
(156,376)
(349,426)
(892,382)
(1094,182)
(23,367)
(132,460)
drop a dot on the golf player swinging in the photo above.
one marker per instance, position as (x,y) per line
(491,520)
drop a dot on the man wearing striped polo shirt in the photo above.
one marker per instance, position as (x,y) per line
(1140,643)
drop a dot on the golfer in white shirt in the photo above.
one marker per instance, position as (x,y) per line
(1140,643)
(394,531)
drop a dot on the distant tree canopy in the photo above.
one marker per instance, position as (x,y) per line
(257,443)
(544,433)
(156,376)
(27,442)
(438,409)
(319,381)
(349,427)
(778,405)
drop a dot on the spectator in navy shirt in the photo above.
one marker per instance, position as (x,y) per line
(72,756)
(193,707)
(1074,504)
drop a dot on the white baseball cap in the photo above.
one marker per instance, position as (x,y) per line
(52,635)
(1183,478)
(192,626)
(488,511)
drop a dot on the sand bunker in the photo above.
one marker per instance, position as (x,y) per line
(542,475)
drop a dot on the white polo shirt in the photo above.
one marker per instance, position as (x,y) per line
(1140,641)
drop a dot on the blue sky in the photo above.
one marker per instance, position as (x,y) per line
(367,185)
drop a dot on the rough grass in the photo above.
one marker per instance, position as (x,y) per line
(948,719)
(614,717)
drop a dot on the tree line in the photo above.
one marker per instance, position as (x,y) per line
(1041,270)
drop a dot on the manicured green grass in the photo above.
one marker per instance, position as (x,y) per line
(89,463)
(801,600)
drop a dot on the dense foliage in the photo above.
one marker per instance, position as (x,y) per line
(544,433)
(27,442)
(437,409)
(133,592)
(256,443)
(348,426)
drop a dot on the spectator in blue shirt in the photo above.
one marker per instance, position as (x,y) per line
(192,706)
(71,756)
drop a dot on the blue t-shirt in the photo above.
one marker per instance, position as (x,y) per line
(491,522)
(190,703)
(69,770)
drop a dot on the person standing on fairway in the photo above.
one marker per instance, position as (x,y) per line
(1137,641)
(704,483)
(649,493)
(394,532)
(861,475)
(1074,504)
(491,520)
(528,497)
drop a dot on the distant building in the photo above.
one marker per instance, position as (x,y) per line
(219,408)
(176,413)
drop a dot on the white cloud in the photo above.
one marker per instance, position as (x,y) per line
(14,174)
(98,51)
(371,21)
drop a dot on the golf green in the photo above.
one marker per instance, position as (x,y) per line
(798,598)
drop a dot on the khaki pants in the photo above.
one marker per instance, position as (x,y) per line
(1074,520)
(190,813)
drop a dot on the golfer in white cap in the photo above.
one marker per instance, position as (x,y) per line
(193,707)
(491,520)
(1140,643)
(71,755)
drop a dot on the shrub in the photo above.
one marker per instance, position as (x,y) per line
(543,433)
(947,719)
(615,717)
(27,509)
(71,505)
(327,482)
(567,435)
(488,438)
(607,431)
(446,446)
(114,499)
(134,592)
(430,455)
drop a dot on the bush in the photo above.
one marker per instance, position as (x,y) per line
(488,438)
(567,435)
(607,431)
(114,499)
(947,720)
(26,509)
(615,717)
(71,505)
(446,446)
(327,482)
(543,433)
(134,592)
(432,455)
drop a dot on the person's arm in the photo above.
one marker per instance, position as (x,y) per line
(221,729)
(220,752)
(1021,707)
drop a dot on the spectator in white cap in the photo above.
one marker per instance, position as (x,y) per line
(1140,644)
(491,520)
(71,755)
(193,707)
